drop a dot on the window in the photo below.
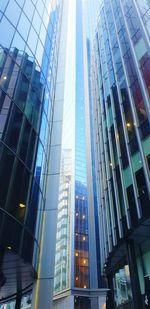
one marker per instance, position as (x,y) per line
(143,192)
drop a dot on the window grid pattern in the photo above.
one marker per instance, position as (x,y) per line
(120,83)
(28,65)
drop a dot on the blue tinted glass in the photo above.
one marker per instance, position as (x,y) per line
(7,29)
(32,40)
(23,26)
(13,17)
(20,2)
(39,52)
(40,7)
(43,128)
(29,9)
(43,33)
(18,42)
(36,21)
(3,4)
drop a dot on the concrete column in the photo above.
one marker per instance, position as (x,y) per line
(64,303)
(102,302)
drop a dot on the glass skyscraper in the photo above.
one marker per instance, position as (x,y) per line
(29,45)
(76,279)
(121,97)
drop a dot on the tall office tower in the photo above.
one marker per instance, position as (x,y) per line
(29,45)
(121,96)
(76,282)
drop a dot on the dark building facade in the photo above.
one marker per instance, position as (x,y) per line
(29,44)
(121,97)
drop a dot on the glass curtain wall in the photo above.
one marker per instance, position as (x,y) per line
(28,62)
(122,137)
(122,102)
(81,203)
(64,246)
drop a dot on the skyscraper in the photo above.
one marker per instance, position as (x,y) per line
(121,95)
(76,279)
(29,44)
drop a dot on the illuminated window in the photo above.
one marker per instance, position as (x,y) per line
(21,205)
(84,286)
(84,238)
(9,247)
(83,217)
(77,254)
(77,214)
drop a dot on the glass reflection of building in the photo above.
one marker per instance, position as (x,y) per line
(28,64)
(121,96)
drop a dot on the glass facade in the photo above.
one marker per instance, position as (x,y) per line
(63,256)
(120,77)
(81,202)
(62,260)
(28,64)
(122,286)
(72,245)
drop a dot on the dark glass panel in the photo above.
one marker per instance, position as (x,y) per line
(139,103)
(5,103)
(143,192)
(129,118)
(145,128)
(13,128)
(13,79)
(145,67)
(115,209)
(37,114)
(7,239)
(25,140)
(133,145)
(27,248)
(33,205)
(21,91)
(120,191)
(132,205)
(148,161)
(32,145)
(18,191)
(6,167)
(114,145)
